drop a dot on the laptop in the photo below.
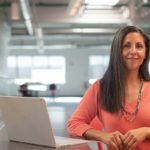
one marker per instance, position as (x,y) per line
(27,120)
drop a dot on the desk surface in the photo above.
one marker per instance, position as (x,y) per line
(6,145)
(22,146)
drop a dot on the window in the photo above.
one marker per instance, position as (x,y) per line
(97,67)
(12,65)
(49,69)
(44,69)
(24,66)
(40,62)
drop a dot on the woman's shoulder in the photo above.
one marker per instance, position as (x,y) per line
(94,87)
(147,83)
(96,84)
(146,86)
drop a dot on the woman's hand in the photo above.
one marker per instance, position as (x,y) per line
(114,140)
(135,136)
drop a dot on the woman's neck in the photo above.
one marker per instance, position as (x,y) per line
(132,85)
(131,78)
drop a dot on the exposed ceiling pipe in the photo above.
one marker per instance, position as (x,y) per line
(39,39)
(15,10)
(74,6)
(27,15)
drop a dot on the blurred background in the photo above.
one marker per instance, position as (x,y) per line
(57,48)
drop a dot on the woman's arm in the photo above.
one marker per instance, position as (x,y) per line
(113,140)
(135,136)
(79,123)
(85,112)
(148,132)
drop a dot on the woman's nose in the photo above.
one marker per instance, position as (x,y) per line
(133,50)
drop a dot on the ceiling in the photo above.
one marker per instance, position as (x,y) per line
(47,24)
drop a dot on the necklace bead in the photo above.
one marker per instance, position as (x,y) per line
(130,116)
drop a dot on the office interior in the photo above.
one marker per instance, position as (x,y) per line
(57,48)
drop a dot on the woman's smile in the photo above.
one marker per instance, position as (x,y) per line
(133,51)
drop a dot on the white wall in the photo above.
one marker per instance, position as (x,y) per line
(77,61)
(4,80)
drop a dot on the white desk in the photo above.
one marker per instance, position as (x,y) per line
(5,144)
(22,146)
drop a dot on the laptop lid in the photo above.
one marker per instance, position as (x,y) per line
(27,120)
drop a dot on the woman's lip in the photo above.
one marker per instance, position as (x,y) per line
(132,58)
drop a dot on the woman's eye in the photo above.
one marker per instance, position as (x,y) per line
(126,45)
(139,45)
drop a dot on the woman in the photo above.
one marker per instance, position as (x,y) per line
(121,99)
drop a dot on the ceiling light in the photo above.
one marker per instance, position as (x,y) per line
(101,2)
(145,1)
(98,7)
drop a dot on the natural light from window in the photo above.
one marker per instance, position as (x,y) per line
(41,69)
(97,67)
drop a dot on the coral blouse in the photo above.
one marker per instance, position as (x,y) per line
(90,107)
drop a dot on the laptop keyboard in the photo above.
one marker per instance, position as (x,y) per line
(64,141)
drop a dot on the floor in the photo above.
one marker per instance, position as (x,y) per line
(60,110)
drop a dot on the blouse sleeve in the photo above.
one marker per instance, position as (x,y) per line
(79,123)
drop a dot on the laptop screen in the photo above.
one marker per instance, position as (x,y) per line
(27,120)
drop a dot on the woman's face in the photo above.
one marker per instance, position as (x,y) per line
(133,51)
